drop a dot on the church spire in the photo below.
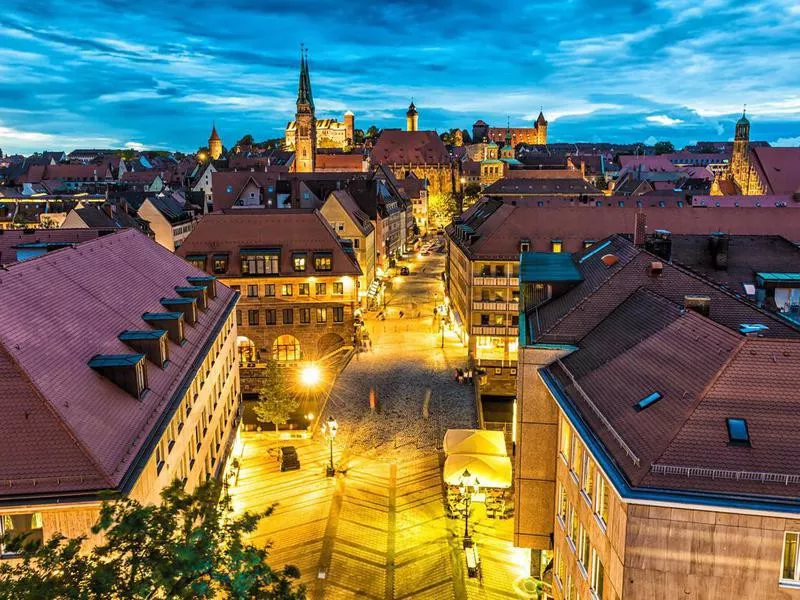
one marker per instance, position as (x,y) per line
(304,95)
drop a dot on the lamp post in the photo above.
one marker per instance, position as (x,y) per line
(330,432)
(442,322)
(466,490)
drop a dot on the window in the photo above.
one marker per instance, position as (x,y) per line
(261,263)
(322,315)
(321,291)
(338,314)
(583,547)
(647,401)
(574,524)
(790,570)
(561,568)
(588,243)
(498,319)
(252,291)
(562,504)
(566,434)
(229,189)
(220,263)
(556,246)
(305,315)
(575,456)
(356,243)
(288,316)
(302,289)
(269,290)
(252,317)
(299,262)
(587,475)
(286,289)
(197,260)
(159,457)
(323,262)
(269,316)
(499,271)
(598,575)
(27,526)
(601,498)
(484,319)
(338,288)
(738,433)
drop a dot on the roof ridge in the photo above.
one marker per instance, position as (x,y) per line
(49,408)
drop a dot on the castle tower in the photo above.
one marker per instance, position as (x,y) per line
(412,117)
(541,128)
(306,137)
(349,126)
(214,143)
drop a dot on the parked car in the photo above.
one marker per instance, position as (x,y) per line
(287,457)
(404,271)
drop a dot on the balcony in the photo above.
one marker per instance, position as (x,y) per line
(498,330)
(502,281)
(488,305)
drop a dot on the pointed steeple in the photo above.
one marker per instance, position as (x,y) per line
(508,131)
(304,95)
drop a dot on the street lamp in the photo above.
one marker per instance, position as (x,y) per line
(442,322)
(330,429)
(310,375)
(467,483)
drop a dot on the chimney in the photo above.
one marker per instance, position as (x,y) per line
(640,229)
(718,246)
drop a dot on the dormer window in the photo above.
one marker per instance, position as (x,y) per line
(323,261)
(524,245)
(198,292)
(151,343)
(260,261)
(128,371)
(197,260)
(299,261)
(171,321)
(188,306)
(220,263)
(208,282)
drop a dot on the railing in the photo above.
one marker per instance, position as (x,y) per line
(489,280)
(600,416)
(708,473)
(495,306)
(495,330)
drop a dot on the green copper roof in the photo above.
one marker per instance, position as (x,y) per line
(548,266)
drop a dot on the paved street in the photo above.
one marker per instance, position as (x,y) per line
(379,530)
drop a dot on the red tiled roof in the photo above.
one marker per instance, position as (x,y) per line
(226,186)
(733,201)
(287,229)
(779,168)
(13,237)
(60,310)
(339,162)
(147,176)
(409,147)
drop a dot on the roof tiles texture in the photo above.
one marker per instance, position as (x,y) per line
(62,309)
(409,147)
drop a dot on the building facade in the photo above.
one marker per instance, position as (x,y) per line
(419,152)
(330,133)
(299,285)
(641,470)
(137,384)
(536,135)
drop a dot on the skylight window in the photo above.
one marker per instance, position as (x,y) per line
(647,401)
(738,433)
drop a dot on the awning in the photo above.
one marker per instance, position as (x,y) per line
(474,441)
(485,471)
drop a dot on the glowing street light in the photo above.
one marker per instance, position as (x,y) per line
(310,375)
(467,484)
(330,429)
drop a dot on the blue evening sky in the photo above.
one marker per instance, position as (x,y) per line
(99,73)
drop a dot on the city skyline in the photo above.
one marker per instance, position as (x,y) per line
(87,76)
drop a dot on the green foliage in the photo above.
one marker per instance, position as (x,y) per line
(441,208)
(276,403)
(664,147)
(373,131)
(247,140)
(189,546)
(358,135)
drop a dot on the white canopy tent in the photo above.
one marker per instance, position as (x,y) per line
(485,470)
(474,441)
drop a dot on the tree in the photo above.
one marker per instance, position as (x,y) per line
(472,192)
(664,147)
(441,208)
(189,546)
(358,135)
(276,403)
(247,140)
(372,131)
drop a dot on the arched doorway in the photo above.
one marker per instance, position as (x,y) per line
(246,349)
(329,343)
(286,348)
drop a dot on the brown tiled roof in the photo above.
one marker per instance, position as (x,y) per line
(339,162)
(737,201)
(10,238)
(226,186)
(66,428)
(523,173)
(409,147)
(527,186)
(500,232)
(572,315)
(779,168)
(147,176)
(286,229)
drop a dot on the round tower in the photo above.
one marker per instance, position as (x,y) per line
(412,117)
(349,126)
(214,144)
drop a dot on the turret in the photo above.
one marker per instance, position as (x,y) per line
(349,126)
(214,143)
(412,117)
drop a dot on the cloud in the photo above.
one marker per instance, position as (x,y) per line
(134,146)
(792,141)
(663,120)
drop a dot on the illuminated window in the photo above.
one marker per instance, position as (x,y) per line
(562,504)
(287,289)
(322,315)
(260,262)
(601,498)
(26,526)
(269,290)
(790,571)
(583,547)
(338,314)
(598,575)
(587,474)
(556,246)
(270,317)
(299,262)
(305,315)
(565,439)
(574,525)
(321,289)
(338,288)
(323,262)
(303,289)
(197,260)
(220,263)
